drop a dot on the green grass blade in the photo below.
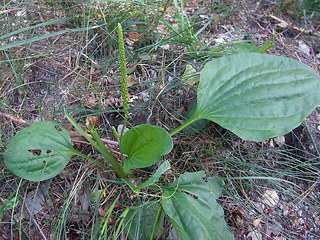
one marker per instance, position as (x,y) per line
(38,38)
(122,217)
(35,27)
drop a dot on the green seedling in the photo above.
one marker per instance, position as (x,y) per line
(8,204)
(256,96)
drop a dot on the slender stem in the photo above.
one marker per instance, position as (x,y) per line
(131,185)
(91,160)
(99,145)
(156,222)
(187,123)
(74,123)
(107,155)
(113,161)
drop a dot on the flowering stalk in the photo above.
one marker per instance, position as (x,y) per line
(123,72)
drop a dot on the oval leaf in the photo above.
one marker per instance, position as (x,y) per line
(39,152)
(190,202)
(257,96)
(144,145)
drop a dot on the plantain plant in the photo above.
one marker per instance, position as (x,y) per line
(256,96)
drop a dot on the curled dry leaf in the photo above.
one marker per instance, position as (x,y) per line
(256,223)
(92,121)
(102,212)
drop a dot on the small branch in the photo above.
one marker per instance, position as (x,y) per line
(284,24)
(14,118)
(74,134)
(70,73)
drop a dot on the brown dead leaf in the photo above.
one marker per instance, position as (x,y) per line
(135,36)
(288,6)
(132,81)
(192,4)
(92,121)
(102,212)
(256,223)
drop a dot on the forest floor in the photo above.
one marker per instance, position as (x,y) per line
(64,59)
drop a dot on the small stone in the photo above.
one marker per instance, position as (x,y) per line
(144,96)
(219,40)
(119,129)
(280,140)
(270,198)
(301,221)
(255,235)
(304,48)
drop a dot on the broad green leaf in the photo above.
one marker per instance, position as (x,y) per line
(144,145)
(155,177)
(140,222)
(197,125)
(39,152)
(190,203)
(257,96)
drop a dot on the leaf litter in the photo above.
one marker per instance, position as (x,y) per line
(297,218)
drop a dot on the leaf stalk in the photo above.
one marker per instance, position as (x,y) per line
(194,118)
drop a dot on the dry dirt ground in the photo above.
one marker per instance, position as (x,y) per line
(71,81)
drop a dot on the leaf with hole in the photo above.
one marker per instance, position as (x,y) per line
(190,202)
(39,152)
(144,145)
(257,96)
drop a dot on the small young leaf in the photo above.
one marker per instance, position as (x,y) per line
(190,202)
(155,177)
(265,47)
(39,152)
(7,205)
(190,76)
(144,145)
(257,96)
(245,46)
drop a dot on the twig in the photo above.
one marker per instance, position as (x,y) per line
(285,24)
(74,134)
(306,193)
(72,71)
(14,118)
